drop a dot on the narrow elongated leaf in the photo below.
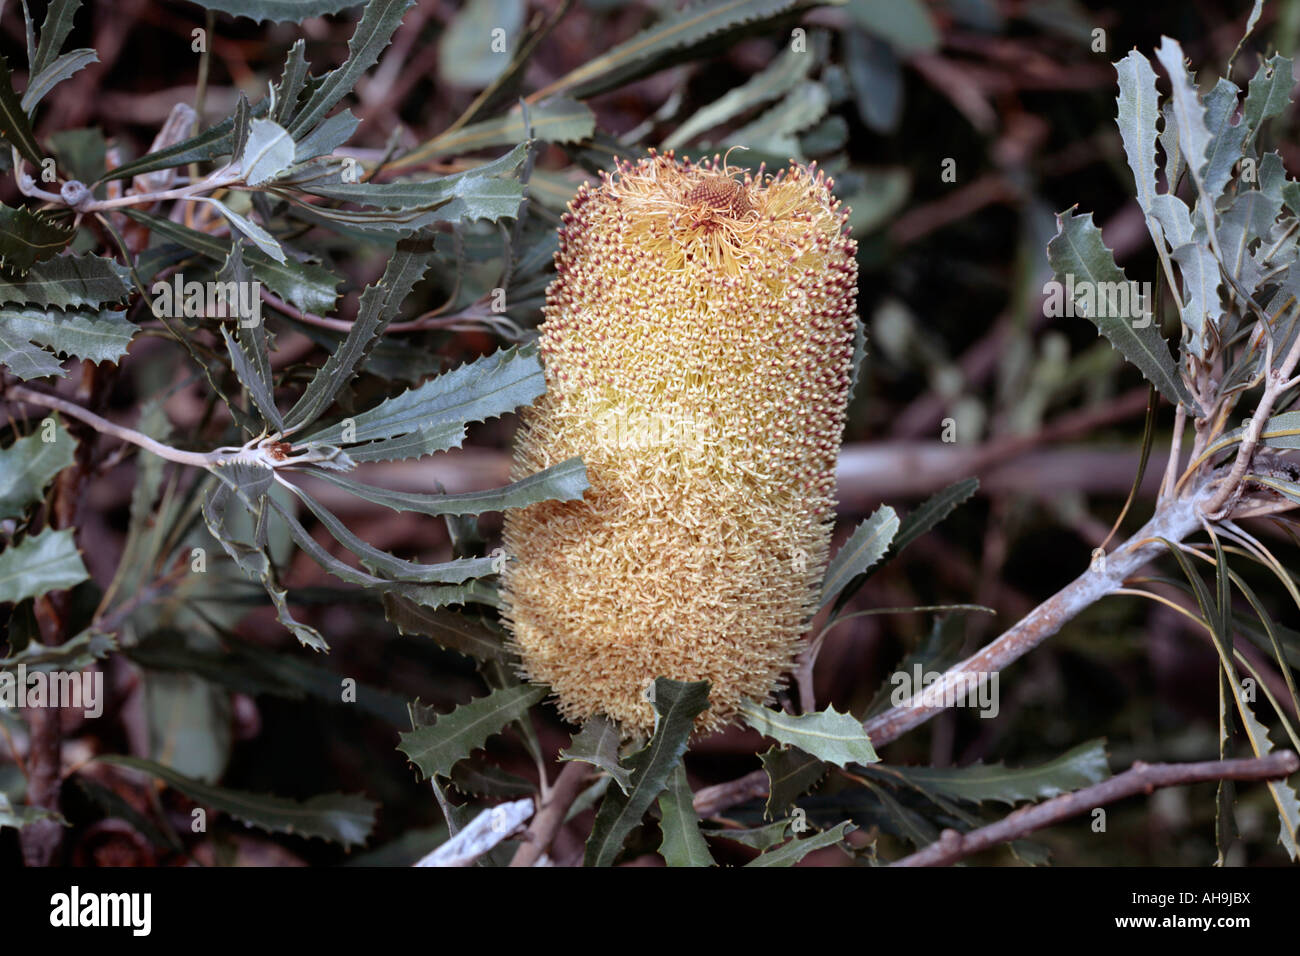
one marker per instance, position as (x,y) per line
(380,304)
(430,193)
(1189,113)
(597,744)
(48,561)
(379,21)
(54,74)
(458,632)
(416,444)
(827,735)
(1139,109)
(794,850)
(486,388)
(307,286)
(682,844)
(934,510)
(255,233)
(15,127)
(95,336)
(27,237)
(75,654)
(344,818)
(255,563)
(29,464)
(677,704)
(769,84)
(1079,767)
(868,543)
(555,120)
(68,282)
(678,31)
(54,32)
(292,80)
(381,562)
(563,482)
(1078,256)
(436,749)
(1269,92)
(281,11)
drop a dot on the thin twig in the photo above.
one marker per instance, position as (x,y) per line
(1141,778)
(550,816)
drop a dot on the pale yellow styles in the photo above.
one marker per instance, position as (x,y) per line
(698,346)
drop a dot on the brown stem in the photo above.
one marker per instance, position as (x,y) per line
(1141,778)
(550,816)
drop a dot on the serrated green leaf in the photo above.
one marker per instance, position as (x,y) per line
(344,818)
(794,850)
(374,31)
(416,444)
(15,127)
(45,562)
(68,282)
(31,463)
(310,287)
(379,305)
(868,543)
(758,838)
(1227,139)
(486,388)
(1269,92)
(1189,114)
(790,774)
(26,360)
(1079,767)
(54,32)
(54,74)
(1077,250)
(455,631)
(280,11)
(255,563)
(1139,110)
(676,704)
(827,735)
(563,482)
(597,743)
(436,749)
(473,186)
(774,130)
(932,511)
(94,336)
(390,566)
(682,843)
(27,237)
(75,654)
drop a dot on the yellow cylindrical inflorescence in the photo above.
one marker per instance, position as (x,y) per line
(698,346)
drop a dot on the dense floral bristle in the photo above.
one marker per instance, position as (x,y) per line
(698,346)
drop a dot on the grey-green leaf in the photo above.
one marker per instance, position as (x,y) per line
(436,749)
(827,735)
(45,562)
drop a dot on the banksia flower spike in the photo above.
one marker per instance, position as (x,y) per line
(698,346)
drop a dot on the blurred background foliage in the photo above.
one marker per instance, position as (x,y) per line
(964,376)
